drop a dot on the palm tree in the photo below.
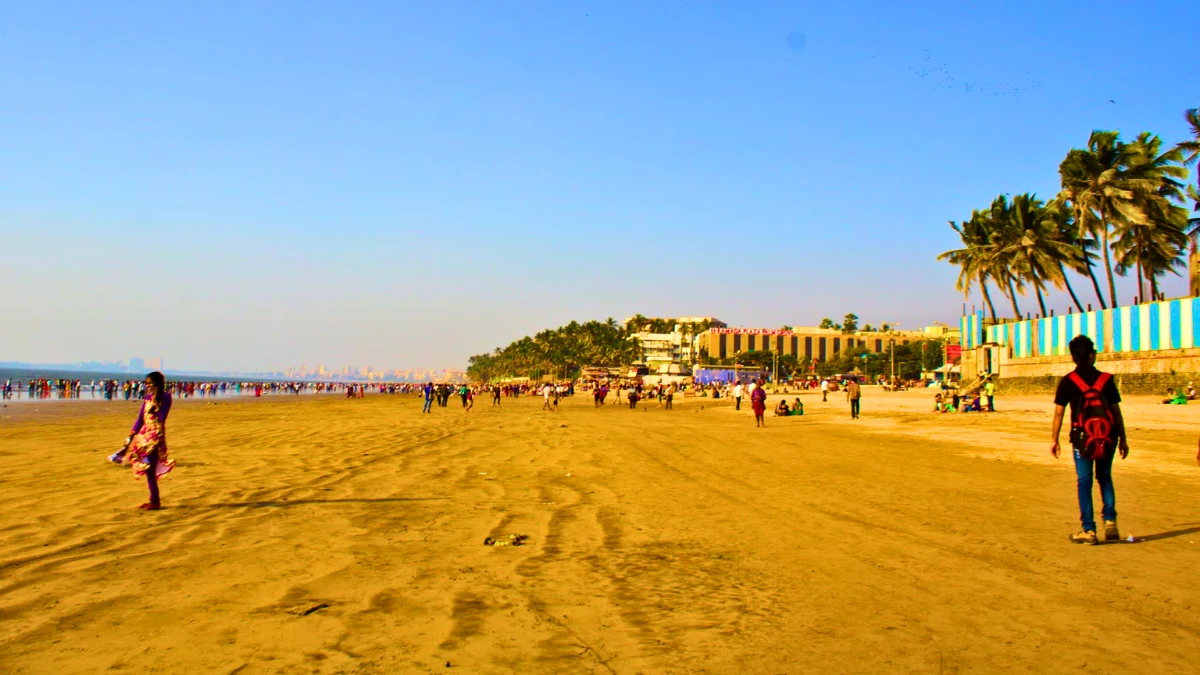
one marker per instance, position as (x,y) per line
(1098,180)
(973,259)
(1069,234)
(1008,272)
(1190,154)
(1031,245)
(1151,232)
(1087,226)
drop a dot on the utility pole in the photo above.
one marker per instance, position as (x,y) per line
(893,382)
(775,369)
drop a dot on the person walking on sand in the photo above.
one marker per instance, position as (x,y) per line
(670,396)
(854,395)
(428,391)
(1096,427)
(758,401)
(824,390)
(496,395)
(737,396)
(546,390)
(146,447)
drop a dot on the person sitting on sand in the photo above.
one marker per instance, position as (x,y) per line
(938,406)
(1191,392)
(782,410)
(797,407)
(1174,398)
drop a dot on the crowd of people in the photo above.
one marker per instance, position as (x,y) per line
(134,390)
(1097,427)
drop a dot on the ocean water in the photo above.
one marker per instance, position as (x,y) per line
(87,377)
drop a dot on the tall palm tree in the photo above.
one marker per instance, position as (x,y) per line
(1150,233)
(1031,244)
(1098,180)
(974,258)
(1007,271)
(1190,154)
(1068,233)
(1074,196)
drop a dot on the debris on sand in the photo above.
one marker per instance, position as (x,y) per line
(513,540)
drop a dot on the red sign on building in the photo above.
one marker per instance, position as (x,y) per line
(953,353)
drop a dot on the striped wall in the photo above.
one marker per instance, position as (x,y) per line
(971,326)
(1170,324)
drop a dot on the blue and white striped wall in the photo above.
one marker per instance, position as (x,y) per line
(1170,324)
(971,326)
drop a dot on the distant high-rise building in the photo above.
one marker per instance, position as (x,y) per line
(137,364)
(154,363)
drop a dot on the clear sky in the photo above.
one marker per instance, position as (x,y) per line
(252,185)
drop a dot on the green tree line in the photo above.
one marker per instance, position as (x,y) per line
(559,351)
(1121,209)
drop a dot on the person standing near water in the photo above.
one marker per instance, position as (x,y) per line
(146,447)
(758,401)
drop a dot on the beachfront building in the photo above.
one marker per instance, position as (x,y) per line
(674,346)
(662,348)
(818,344)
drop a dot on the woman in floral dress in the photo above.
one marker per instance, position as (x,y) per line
(146,447)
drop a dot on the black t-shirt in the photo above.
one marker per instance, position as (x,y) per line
(1069,393)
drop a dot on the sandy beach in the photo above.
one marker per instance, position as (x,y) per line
(325,535)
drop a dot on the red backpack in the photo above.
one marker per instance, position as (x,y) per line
(1093,422)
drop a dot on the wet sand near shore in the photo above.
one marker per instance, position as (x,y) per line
(325,535)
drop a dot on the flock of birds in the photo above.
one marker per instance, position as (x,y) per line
(940,77)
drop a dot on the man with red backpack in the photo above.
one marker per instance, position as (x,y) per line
(1097,431)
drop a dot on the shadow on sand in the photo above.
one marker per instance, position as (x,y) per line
(1168,535)
(300,502)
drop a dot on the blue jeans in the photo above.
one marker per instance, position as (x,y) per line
(1103,472)
(428,403)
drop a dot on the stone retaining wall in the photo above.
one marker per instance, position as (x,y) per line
(1127,383)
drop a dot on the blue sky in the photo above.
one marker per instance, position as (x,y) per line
(255,185)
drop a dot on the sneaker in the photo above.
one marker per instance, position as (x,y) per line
(1111,533)
(1086,537)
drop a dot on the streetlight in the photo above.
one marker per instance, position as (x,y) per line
(891,329)
(775,370)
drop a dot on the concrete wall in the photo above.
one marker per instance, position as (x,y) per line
(1148,327)
(1128,384)
(1136,373)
